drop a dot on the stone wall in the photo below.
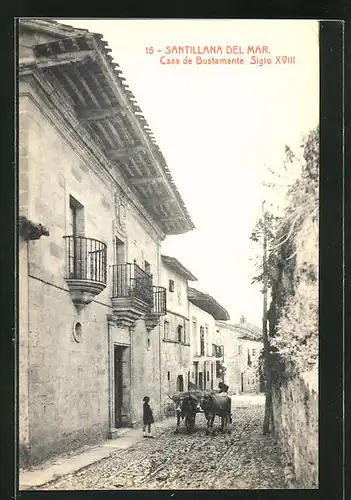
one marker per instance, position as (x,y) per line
(175,361)
(65,391)
(295,409)
(177,301)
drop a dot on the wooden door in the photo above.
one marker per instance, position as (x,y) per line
(118,385)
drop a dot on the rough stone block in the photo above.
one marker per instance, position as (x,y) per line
(56,250)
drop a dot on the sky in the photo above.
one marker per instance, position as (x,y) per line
(220,127)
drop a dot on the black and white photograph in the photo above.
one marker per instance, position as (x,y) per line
(168,214)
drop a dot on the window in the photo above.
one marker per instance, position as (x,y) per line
(180,333)
(248,358)
(254,352)
(171,286)
(202,341)
(147,267)
(240,349)
(208,376)
(168,375)
(166,330)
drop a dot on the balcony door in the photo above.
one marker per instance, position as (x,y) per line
(77,253)
(120,256)
(76,218)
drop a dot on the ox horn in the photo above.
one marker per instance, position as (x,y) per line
(170,397)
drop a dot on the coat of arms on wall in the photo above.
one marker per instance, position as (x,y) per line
(120,210)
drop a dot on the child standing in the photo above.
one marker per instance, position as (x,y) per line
(148,417)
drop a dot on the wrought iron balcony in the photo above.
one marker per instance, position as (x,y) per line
(129,280)
(132,293)
(159,301)
(159,307)
(86,268)
(219,351)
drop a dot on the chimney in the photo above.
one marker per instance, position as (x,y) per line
(242,320)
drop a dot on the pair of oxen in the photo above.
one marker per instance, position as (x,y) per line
(211,403)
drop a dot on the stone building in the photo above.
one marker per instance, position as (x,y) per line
(175,351)
(242,344)
(207,369)
(96,199)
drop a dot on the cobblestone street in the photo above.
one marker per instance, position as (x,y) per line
(244,459)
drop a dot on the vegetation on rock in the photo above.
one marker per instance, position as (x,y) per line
(291,268)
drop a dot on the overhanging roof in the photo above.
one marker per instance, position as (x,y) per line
(244,330)
(78,63)
(208,304)
(178,266)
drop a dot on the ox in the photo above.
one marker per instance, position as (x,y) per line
(217,404)
(187,407)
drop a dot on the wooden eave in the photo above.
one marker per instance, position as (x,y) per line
(207,304)
(82,68)
(174,264)
(247,330)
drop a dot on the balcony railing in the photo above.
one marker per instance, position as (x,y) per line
(86,259)
(129,280)
(159,301)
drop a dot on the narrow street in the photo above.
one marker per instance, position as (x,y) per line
(244,459)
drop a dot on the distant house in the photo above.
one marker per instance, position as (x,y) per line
(242,346)
(204,310)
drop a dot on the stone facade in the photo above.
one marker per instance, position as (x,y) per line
(249,351)
(68,352)
(240,356)
(295,409)
(175,345)
(230,342)
(68,381)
